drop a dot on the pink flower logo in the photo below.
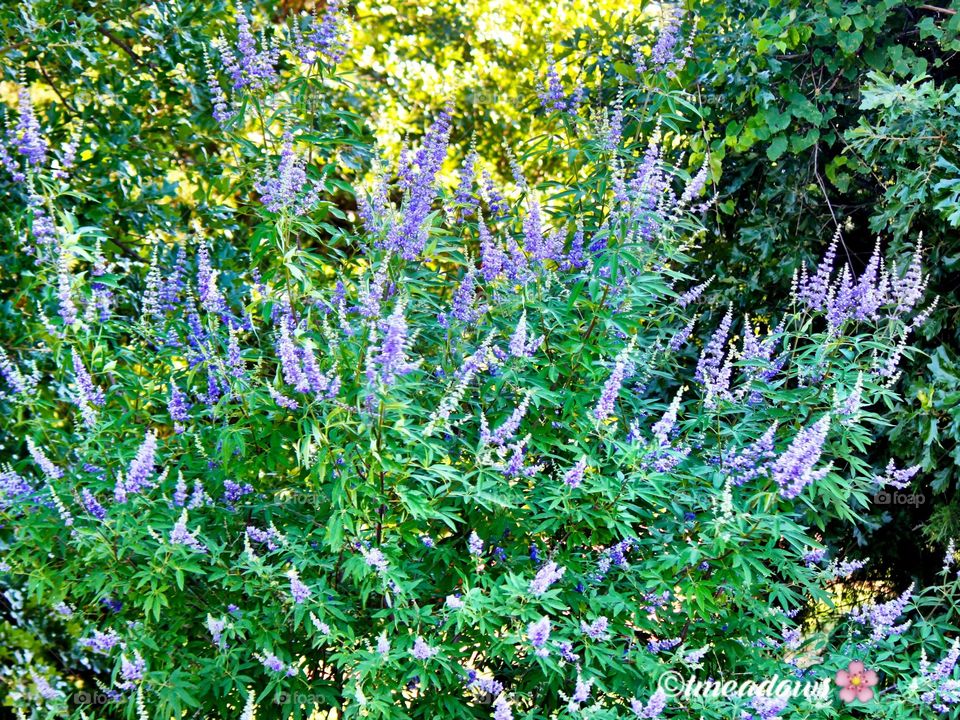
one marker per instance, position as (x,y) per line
(856,682)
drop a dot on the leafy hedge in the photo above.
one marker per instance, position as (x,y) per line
(381,436)
(845,114)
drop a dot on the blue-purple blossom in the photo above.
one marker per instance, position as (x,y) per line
(654,707)
(597,630)
(141,468)
(694,657)
(694,187)
(768,708)
(234,356)
(709,372)
(269,537)
(501,708)
(256,65)
(576,259)
(757,355)
(508,429)
(101,297)
(298,590)
(663,428)
(408,236)
(20,384)
(68,156)
(566,652)
(581,691)
(611,388)
(92,505)
(475,544)
(537,243)
(464,194)
(234,491)
(753,461)
(694,293)
(943,690)
(665,49)
(496,203)
(539,633)
(908,289)
(882,618)
(658,646)
(274,664)
(172,285)
(464,307)
(793,470)
(454,602)
(900,479)
(523,344)
(89,391)
(131,671)
(180,535)
(65,515)
(814,290)
(574,476)
(178,407)
(516,455)
(216,626)
(422,651)
(210,297)
(287,189)
(552,95)
(13,487)
(545,577)
(322,384)
(290,356)
(327,37)
(44,688)
(320,626)
(222,110)
(618,553)
(26,136)
(844,568)
(375,558)
(493,260)
(64,609)
(43,230)
(51,471)
(67,309)
(101,642)
(850,406)
(484,685)
(388,357)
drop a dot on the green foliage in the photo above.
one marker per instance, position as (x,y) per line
(842,114)
(297,425)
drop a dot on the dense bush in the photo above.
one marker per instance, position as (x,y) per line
(845,114)
(355,434)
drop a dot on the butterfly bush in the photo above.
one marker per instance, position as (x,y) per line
(477,449)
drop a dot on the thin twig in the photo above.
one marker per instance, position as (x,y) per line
(13,46)
(934,8)
(826,197)
(66,103)
(123,45)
